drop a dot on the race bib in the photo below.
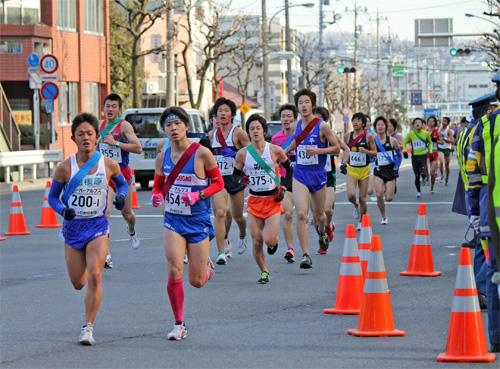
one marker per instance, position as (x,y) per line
(173,202)
(328,165)
(303,158)
(260,181)
(226,165)
(418,144)
(87,202)
(357,159)
(382,160)
(111,152)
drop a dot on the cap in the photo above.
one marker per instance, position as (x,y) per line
(485,100)
(496,80)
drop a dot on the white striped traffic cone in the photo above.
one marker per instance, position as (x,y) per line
(49,216)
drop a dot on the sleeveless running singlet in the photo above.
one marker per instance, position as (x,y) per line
(356,158)
(444,133)
(113,152)
(434,137)
(261,184)
(226,164)
(90,198)
(381,159)
(186,181)
(313,139)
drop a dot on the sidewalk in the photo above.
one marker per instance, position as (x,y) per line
(27,185)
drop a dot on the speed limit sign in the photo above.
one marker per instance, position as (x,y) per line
(49,64)
(345,111)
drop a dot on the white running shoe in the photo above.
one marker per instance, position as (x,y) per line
(221,259)
(419,195)
(355,212)
(179,332)
(384,220)
(109,263)
(135,242)
(358,228)
(211,268)
(228,249)
(185,258)
(87,335)
(242,245)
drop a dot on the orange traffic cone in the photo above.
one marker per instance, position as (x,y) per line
(17,223)
(365,243)
(375,318)
(466,339)
(2,238)
(135,204)
(49,216)
(420,263)
(350,285)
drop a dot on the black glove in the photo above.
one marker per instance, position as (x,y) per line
(244,180)
(405,154)
(68,213)
(119,202)
(343,169)
(280,194)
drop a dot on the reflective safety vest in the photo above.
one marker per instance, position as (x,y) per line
(494,197)
(490,132)
(463,148)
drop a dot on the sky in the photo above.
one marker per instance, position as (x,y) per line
(399,15)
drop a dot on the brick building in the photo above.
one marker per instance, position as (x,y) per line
(77,33)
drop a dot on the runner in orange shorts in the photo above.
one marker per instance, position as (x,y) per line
(261,162)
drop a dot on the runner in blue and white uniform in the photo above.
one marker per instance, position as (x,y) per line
(398,154)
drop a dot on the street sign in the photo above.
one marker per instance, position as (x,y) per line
(432,112)
(49,63)
(245,108)
(49,91)
(35,82)
(34,70)
(49,77)
(49,106)
(345,119)
(33,60)
(398,70)
(272,96)
(156,57)
(416,97)
(345,111)
(155,41)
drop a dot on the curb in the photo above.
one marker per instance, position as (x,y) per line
(37,184)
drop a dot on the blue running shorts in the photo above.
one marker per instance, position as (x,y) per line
(312,179)
(78,233)
(194,228)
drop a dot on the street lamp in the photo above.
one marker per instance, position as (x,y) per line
(468,15)
(306,5)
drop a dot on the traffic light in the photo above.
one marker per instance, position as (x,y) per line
(346,70)
(455,52)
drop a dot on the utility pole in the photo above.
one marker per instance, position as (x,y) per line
(355,89)
(265,62)
(170,97)
(289,83)
(320,47)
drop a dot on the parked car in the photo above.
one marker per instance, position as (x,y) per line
(146,123)
(273,127)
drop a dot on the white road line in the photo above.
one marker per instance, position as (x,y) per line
(401,203)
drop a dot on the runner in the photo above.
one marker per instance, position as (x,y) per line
(117,140)
(432,157)
(84,177)
(384,165)
(444,150)
(225,142)
(309,178)
(371,130)
(421,144)
(182,176)
(261,161)
(288,115)
(398,158)
(361,145)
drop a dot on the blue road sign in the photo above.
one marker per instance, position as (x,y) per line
(345,119)
(430,112)
(49,91)
(416,97)
(33,60)
(49,106)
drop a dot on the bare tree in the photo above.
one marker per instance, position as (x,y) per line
(135,19)
(491,41)
(306,44)
(208,40)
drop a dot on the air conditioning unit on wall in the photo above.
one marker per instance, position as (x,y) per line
(152,88)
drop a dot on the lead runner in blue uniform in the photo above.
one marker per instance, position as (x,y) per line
(309,177)
(86,227)
(187,223)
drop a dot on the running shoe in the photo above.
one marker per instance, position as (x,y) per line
(332,226)
(221,259)
(355,212)
(384,220)
(323,239)
(228,249)
(242,245)
(424,181)
(272,250)
(419,195)
(329,233)
(321,251)
(109,262)
(358,228)
(135,242)
(306,262)
(211,268)
(432,191)
(290,256)
(395,190)
(179,332)
(446,182)
(185,258)
(441,180)
(87,335)
(264,278)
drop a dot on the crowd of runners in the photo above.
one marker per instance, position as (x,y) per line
(296,170)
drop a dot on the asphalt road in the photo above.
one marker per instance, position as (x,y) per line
(233,322)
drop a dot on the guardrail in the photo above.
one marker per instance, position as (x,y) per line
(27,157)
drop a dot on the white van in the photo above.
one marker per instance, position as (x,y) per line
(146,123)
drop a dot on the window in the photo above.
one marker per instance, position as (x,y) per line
(93,16)
(11,47)
(66,15)
(483,86)
(19,11)
(68,101)
(92,98)
(42,48)
(472,86)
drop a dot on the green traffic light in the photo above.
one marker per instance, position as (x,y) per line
(340,69)
(453,52)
